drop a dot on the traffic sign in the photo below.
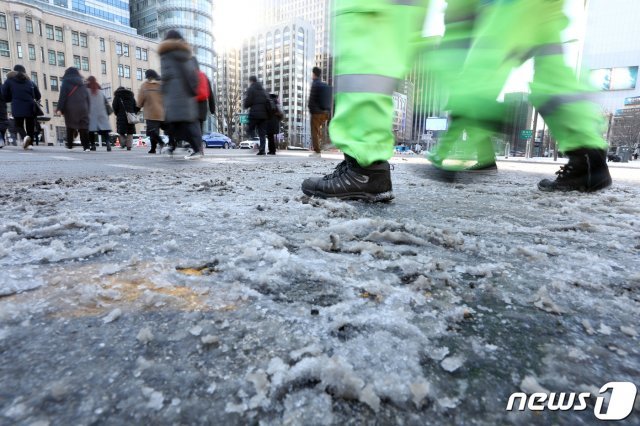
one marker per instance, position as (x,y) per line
(526,134)
(244,118)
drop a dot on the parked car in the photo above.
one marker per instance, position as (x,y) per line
(217,140)
(252,143)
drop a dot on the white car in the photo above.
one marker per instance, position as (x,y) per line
(252,143)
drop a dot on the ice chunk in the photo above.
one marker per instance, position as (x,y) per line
(145,335)
(530,385)
(452,363)
(629,331)
(588,327)
(605,329)
(209,339)
(545,303)
(195,330)
(156,401)
(420,390)
(112,316)
(369,397)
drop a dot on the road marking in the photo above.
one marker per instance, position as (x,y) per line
(128,166)
(60,157)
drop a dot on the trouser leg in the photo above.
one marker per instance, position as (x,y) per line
(315,132)
(84,138)
(20,126)
(271,138)
(373,52)
(70,137)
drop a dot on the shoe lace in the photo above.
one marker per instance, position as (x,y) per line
(565,171)
(339,170)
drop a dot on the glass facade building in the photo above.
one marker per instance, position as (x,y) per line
(116,11)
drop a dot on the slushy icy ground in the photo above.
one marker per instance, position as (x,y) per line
(168,292)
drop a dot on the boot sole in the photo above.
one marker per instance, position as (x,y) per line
(383,197)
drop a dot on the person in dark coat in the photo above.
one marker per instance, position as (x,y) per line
(179,87)
(256,101)
(4,120)
(74,104)
(124,102)
(319,109)
(273,124)
(23,94)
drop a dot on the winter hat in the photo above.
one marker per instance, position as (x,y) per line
(20,68)
(173,34)
(151,74)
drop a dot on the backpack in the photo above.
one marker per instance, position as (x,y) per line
(202,93)
(272,108)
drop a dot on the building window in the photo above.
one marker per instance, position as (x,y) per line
(34,77)
(83,40)
(139,74)
(52,57)
(127,71)
(103,67)
(46,103)
(138,53)
(4,48)
(102,45)
(120,70)
(125,50)
(32,52)
(59,34)
(145,55)
(61,59)
(75,38)
(44,81)
(19,50)
(62,3)
(54,105)
(16,21)
(42,54)
(3,21)
(118,48)
(40,28)
(29,25)
(54,83)
(76,61)
(85,63)
(49,29)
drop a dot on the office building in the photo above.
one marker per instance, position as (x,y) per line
(282,58)
(229,91)
(114,11)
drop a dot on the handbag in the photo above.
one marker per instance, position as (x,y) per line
(132,118)
(107,106)
(37,108)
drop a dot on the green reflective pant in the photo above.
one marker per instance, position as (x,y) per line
(508,32)
(375,45)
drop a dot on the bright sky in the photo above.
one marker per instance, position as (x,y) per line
(236,19)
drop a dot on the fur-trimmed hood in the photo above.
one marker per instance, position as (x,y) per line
(172,45)
(19,76)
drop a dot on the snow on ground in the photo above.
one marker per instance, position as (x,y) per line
(224,296)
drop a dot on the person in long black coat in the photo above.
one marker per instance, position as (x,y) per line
(73,103)
(256,101)
(23,94)
(4,120)
(273,124)
(124,102)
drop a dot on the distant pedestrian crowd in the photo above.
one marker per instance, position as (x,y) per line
(177,101)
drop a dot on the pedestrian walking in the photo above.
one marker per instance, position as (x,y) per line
(74,105)
(511,32)
(100,109)
(374,49)
(319,107)
(150,101)
(4,120)
(273,125)
(124,104)
(179,89)
(256,102)
(23,95)
(206,101)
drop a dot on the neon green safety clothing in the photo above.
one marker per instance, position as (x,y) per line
(507,33)
(375,44)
